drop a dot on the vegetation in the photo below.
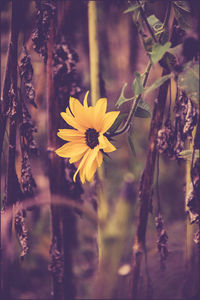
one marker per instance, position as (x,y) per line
(77,226)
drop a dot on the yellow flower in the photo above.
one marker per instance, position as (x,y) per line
(87,141)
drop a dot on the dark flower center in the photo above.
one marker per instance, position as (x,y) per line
(91,136)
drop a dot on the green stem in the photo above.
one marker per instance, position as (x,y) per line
(134,106)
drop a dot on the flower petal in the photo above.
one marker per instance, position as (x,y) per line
(91,158)
(75,106)
(109,119)
(99,113)
(105,144)
(75,158)
(93,169)
(82,174)
(82,163)
(83,115)
(85,103)
(71,149)
(71,135)
(99,158)
(72,121)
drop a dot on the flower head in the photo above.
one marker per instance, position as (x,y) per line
(87,142)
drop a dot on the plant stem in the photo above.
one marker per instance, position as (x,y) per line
(94,51)
(191,260)
(146,22)
(10,101)
(62,217)
(134,106)
(95,94)
(146,185)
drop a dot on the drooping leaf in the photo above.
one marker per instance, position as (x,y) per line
(188,81)
(156,84)
(21,231)
(158,51)
(184,5)
(143,110)
(187,154)
(142,113)
(137,84)
(45,13)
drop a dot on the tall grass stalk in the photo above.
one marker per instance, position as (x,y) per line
(95,95)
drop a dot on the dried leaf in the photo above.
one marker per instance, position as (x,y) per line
(28,182)
(21,230)
(45,13)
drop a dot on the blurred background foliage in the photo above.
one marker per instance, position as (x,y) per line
(121,54)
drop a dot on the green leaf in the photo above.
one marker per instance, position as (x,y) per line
(142,113)
(188,81)
(130,141)
(143,110)
(182,17)
(137,84)
(158,51)
(122,99)
(184,5)
(117,122)
(156,84)
(137,88)
(187,154)
(132,8)
(155,23)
